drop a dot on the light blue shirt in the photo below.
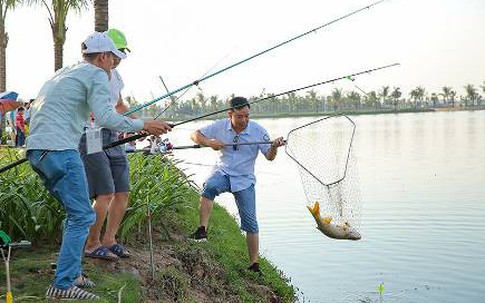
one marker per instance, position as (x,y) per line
(238,164)
(59,113)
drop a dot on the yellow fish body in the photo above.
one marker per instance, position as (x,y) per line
(336,231)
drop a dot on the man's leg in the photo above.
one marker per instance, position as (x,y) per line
(246,205)
(213,186)
(252,240)
(206,205)
(63,174)
(120,172)
(116,212)
(100,205)
(101,186)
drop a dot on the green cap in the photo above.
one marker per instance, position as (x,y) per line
(118,38)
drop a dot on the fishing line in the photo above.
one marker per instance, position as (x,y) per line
(355,85)
(173,100)
(196,82)
(138,136)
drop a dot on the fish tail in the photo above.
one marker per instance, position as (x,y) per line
(315,210)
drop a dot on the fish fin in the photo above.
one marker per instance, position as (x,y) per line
(315,210)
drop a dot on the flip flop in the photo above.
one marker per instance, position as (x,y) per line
(119,250)
(101,253)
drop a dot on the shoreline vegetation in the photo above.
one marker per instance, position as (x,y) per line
(172,269)
(301,107)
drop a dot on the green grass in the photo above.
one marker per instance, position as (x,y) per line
(31,274)
(216,269)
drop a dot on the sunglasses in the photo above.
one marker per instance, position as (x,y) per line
(235,140)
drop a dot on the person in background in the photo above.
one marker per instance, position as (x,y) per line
(58,116)
(235,170)
(20,127)
(27,117)
(108,174)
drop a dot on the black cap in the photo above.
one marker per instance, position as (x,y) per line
(239,102)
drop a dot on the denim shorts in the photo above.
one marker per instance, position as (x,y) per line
(245,199)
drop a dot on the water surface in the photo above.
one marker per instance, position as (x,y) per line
(422,184)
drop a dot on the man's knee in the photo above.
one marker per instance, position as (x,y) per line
(85,218)
(250,225)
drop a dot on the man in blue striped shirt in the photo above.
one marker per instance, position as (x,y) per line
(235,170)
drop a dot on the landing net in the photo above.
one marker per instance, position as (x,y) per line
(323,151)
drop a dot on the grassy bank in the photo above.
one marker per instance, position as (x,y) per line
(180,270)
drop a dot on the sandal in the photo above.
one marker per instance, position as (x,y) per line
(119,250)
(101,253)
(84,282)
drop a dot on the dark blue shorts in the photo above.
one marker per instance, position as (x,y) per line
(106,174)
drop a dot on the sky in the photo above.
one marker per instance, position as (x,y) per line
(437,43)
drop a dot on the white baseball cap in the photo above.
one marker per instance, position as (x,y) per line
(100,42)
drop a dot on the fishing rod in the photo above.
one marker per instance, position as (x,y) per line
(193,146)
(138,136)
(203,78)
(234,144)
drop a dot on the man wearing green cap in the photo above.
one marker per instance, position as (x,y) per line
(108,175)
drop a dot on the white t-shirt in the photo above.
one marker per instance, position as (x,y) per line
(116,85)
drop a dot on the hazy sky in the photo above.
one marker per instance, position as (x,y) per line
(437,43)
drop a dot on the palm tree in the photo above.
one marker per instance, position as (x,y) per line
(5,6)
(471,94)
(313,100)
(434,99)
(446,93)
(452,98)
(336,98)
(396,94)
(384,94)
(371,100)
(58,11)
(417,94)
(354,99)
(101,15)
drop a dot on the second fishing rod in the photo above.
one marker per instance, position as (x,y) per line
(196,82)
(138,136)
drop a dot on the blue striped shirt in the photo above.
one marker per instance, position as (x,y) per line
(238,164)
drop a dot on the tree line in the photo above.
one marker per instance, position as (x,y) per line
(311,102)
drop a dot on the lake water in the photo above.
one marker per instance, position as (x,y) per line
(422,184)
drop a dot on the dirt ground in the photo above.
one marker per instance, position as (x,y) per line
(181,271)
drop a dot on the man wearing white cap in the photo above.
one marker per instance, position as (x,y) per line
(58,117)
(108,174)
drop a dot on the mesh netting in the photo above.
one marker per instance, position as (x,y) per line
(323,151)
